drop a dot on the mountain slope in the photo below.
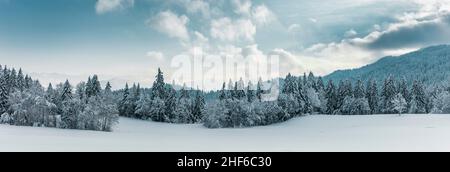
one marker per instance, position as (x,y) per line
(430,65)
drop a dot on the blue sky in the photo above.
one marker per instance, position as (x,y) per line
(125,40)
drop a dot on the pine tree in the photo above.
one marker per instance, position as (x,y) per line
(66,92)
(290,85)
(20,81)
(250,92)
(4,94)
(170,103)
(312,81)
(6,80)
(222,93)
(398,104)
(259,90)
(403,90)
(12,80)
(93,87)
(344,90)
(359,90)
(158,89)
(418,99)
(320,84)
(184,93)
(108,88)
(28,82)
(331,98)
(372,96)
(240,90)
(198,106)
(123,104)
(387,94)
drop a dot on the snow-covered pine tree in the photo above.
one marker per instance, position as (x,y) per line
(312,81)
(51,94)
(96,87)
(344,90)
(290,85)
(183,108)
(387,94)
(80,91)
(158,89)
(66,93)
(403,89)
(170,103)
(134,97)
(398,104)
(4,94)
(28,81)
(222,93)
(12,80)
(184,93)
(418,102)
(331,97)
(240,93)
(372,96)
(123,104)
(359,90)
(88,88)
(20,81)
(108,95)
(259,90)
(320,84)
(108,88)
(250,92)
(198,106)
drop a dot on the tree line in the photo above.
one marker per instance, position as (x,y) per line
(25,102)
(162,103)
(240,106)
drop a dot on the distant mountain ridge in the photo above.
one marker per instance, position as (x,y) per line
(430,65)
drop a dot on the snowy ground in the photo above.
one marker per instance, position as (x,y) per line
(308,133)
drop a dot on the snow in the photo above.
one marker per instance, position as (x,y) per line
(418,132)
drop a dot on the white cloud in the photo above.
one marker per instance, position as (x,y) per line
(104,6)
(350,33)
(226,29)
(294,28)
(313,20)
(171,24)
(159,56)
(262,15)
(197,6)
(242,7)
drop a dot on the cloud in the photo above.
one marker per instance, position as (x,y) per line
(226,29)
(293,28)
(350,33)
(171,24)
(262,15)
(413,32)
(104,6)
(242,7)
(197,6)
(155,55)
(313,20)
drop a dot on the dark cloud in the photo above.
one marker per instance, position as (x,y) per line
(415,34)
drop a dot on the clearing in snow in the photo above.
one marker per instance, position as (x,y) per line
(308,133)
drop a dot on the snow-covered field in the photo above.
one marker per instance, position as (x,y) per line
(308,133)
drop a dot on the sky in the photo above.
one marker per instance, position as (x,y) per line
(127,40)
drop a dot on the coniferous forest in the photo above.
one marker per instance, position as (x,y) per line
(89,106)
